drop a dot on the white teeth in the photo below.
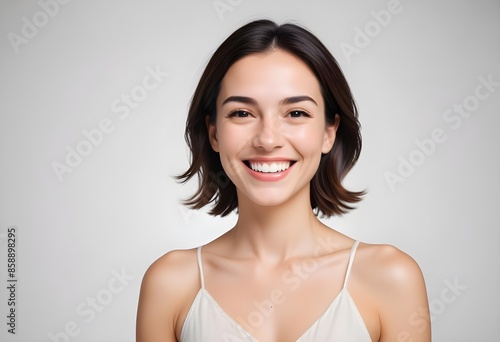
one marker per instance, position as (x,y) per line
(270,167)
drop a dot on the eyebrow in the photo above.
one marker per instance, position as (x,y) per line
(240,99)
(251,101)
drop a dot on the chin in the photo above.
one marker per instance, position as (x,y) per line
(268,199)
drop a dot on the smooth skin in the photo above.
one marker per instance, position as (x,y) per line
(270,106)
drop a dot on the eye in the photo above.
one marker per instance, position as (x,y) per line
(298,114)
(239,114)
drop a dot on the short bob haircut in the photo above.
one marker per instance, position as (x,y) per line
(328,196)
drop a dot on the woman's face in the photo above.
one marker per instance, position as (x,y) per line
(270,129)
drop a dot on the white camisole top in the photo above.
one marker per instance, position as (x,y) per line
(206,321)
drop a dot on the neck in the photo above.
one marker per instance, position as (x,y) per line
(275,233)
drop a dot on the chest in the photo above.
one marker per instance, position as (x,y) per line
(279,304)
(340,322)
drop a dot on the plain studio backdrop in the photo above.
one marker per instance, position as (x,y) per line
(93,102)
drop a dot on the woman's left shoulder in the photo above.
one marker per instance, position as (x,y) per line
(388,266)
(392,285)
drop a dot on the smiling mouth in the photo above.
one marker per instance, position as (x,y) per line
(270,167)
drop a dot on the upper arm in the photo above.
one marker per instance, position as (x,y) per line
(165,290)
(154,315)
(403,306)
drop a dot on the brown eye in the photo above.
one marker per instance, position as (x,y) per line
(298,114)
(239,114)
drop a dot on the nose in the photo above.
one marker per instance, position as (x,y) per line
(269,134)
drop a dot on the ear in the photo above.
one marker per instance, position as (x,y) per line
(212,134)
(330,134)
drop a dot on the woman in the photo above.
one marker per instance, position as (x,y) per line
(273,130)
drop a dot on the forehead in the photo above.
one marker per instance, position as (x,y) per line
(271,74)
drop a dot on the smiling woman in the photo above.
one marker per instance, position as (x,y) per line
(274,115)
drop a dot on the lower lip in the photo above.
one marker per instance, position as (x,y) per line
(269,176)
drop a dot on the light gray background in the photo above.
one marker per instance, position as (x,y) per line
(119,209)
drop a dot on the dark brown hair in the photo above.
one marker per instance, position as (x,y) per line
(328,196)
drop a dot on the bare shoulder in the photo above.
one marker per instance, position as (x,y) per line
(388,265)
(395,285)
(168,287)
(172,269)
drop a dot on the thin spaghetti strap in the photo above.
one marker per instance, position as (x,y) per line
(349,265)
(200,266)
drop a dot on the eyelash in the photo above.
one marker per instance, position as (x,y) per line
(303,113)
(237,112)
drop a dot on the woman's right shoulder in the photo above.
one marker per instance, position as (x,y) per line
(172,274)
(172,262)
(168,288)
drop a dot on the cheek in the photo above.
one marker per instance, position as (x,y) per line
(231,143)
(308,139)
(230,140)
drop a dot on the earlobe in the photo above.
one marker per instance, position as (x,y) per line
(330,134)
(212,134)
